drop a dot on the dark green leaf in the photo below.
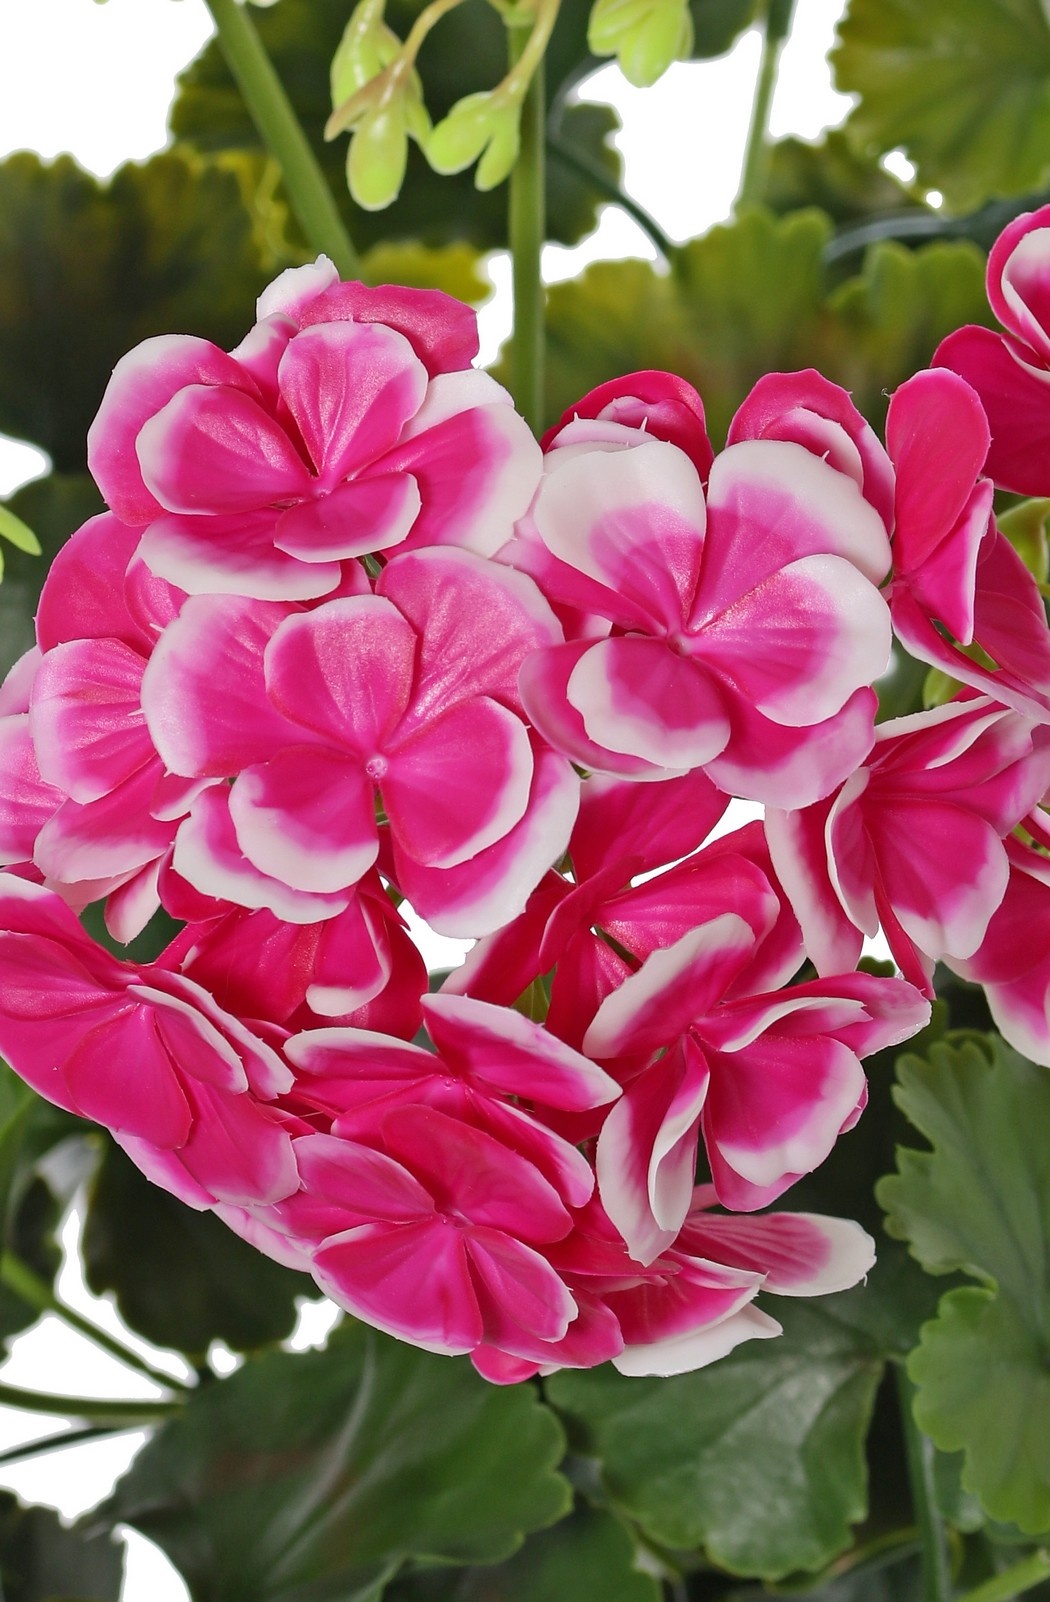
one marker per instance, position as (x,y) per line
(835,176)
(89,269)
(717,24)
(979,1202)
(310,1477)
(466,52)
(963,86)
(54,507)
(590,1555)
(750,297)
(43,1561)
(760,1459)
(212,1286)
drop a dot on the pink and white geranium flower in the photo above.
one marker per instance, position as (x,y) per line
(743,626)
(348,422)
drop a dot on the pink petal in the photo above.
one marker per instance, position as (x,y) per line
(800,1254)
(233,555)
(799,850)
(686,1353)
(26,802)
(459,784)
(509,1052)
(1019,279)
(1016,399)
(237,1149)
(618,821)
(442,331)
(673,988)
(474,459)
(517,1289)
(801,643)
(656,403)
(217,642)
(492,887)
(208,856)
(636,526)
(771,503)
(938,436)
(306,817)
(214,449)
(646,1154)
(367,1184)
(476,621)
(86,717)
(83,594)
(368,514)
(639,696)
(787,767)
(143,382)
(543,683)
(774,1111)
(122,1075)
(411,1280)
(350,388)
(113,836)
(345,671)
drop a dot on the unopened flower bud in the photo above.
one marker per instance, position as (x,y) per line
(485,125)
(644,35)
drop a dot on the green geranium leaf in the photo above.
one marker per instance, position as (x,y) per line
(760,1458)
(832,174)
(963,86)
(979,1202)
(590,1555)
(751,297)
(718,24)
(214,1287)
(43,1561)
(88,269)
(465,53)
(886,323)
(54,506)
(311,1477)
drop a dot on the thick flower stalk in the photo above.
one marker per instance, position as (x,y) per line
(349,637)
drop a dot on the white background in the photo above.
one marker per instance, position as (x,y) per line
(97,81)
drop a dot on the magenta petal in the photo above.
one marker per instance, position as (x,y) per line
(646,1155)
(411,1280)
(514,1055)
(26,802)
(1019,279)
(802,642)
(122,1075)
(83,594)
(492,887)
(800,1254)
(619,822)
(1016,398)
(517,1288)
(673,987)
(776,1108)
(233,556)
(368,514)
(442,331)
(938,436)
(113,836)
(214,449)
(770,503)
(208,857)
(684,1354)
(307,818)
(639,696)
(543,683)
(474,459)
(459,785)
(350,388)
(635,524)
(237,1149)
(204,691)
(944,872)
(786,767)
(86,717)
(345,671)
(369,1185)
(143,382)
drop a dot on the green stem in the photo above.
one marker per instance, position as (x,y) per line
(527,228)
(61,1440)
(1014,1581)
(756,152)
(271,111)
(99,1410)
(595,173)
(936,1575)
(37,1293)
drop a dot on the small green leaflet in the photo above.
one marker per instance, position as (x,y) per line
(979,1202)
(18,534)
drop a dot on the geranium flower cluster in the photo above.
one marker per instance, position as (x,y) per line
(349,636)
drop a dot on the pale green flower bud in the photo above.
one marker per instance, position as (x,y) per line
(644,35)
(367,46)
(485,125)
(378,155)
